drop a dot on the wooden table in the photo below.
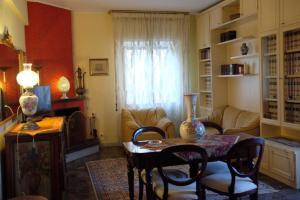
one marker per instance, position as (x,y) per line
(146,156)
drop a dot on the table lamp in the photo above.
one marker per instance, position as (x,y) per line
(63,86)
(28,100)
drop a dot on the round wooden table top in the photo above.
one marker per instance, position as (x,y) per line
(29,198)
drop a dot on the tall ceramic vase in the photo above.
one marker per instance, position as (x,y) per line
(191,127)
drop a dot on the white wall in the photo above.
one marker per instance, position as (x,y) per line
(13,15)
(93,38)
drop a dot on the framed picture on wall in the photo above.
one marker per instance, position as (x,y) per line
(98,66)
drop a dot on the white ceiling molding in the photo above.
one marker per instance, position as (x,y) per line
(140,5)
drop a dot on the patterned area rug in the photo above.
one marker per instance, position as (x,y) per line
(109,180)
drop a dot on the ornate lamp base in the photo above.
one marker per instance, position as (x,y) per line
(30,125)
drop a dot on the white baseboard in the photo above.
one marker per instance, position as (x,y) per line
(81,153)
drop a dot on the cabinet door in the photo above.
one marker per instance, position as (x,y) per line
(282,163)
(248,7)
(203,31)
(268,15)
(215,18)
(265,159)
(289,11)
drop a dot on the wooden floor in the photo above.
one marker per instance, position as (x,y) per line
(78,184)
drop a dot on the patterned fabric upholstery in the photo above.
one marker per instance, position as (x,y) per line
(132,119)
(221,182)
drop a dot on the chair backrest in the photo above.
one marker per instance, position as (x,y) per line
(244,158)
(188,154)
(151,129)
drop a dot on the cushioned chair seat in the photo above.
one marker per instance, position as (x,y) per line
(174,173)
(222,181)
(175,192)
(216,167)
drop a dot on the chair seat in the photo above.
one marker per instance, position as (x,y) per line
(174,173)
(175,192)
(216,167)
(222,181)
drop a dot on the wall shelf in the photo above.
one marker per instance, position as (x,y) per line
(292,50)
(292,101)
(293,76)
(244,56)
(270,54)
(236,75)
(269,77)
(270,99)
(205,91)
(205,60)
(239,20)
(245,38)
(205,76)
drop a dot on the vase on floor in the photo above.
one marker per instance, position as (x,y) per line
(191,127)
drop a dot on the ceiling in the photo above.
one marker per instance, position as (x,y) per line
(142,5)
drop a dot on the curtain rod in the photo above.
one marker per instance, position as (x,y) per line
(144,11)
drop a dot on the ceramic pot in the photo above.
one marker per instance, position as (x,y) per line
(28,102)
(191,127)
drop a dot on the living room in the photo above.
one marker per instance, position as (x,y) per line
(234,63)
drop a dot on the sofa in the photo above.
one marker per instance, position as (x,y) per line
(132,119)
(233,121)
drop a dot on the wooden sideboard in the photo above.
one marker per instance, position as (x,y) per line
(35,160)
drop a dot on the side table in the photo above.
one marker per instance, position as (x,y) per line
(34,160)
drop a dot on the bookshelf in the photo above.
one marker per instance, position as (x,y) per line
(205,81)
(270,78)
(291,59)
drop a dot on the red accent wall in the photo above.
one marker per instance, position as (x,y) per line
(49,44)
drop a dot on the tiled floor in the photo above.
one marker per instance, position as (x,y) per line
(79,187)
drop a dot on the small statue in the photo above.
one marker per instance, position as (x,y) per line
(244,49)
(80,77)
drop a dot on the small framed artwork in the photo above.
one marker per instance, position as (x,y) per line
(98,67)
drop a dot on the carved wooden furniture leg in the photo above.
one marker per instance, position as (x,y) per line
(130,175)
(149,184)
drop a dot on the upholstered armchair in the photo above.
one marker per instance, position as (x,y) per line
(132,119)
(233,121)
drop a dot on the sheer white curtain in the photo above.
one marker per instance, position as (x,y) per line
(151,60)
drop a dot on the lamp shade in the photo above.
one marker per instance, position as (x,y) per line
(63,84)
(27,78)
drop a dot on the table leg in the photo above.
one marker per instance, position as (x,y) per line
(149,184)
(130,175)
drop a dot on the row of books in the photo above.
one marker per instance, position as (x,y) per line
(292,88)
(292,63)
(271,44)
(272,66)
(292,113)
(207,83)
(270,110)
(292,40)
(272,88)
(205,53)
(207,68)
(207,100)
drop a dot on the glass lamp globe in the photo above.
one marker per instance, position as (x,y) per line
(27,78)
(63,86)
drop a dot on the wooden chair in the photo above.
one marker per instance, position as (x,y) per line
(243,161)
(171,187)
(142,173)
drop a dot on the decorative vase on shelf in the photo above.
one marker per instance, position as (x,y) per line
(244,49)
(191,127)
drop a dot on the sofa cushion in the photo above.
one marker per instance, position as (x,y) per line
(229,117)
(148,117)
(247,119)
